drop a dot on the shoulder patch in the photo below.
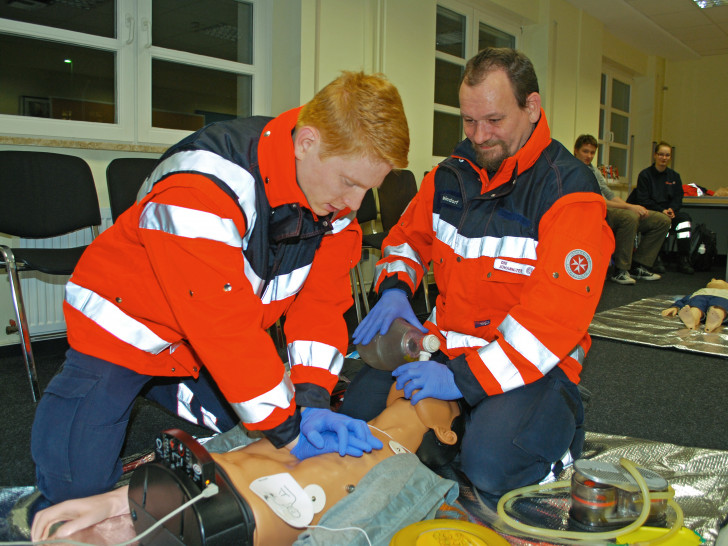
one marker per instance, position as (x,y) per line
(578,264)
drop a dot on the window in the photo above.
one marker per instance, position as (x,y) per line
(460,33)
(129,70)
(614,120)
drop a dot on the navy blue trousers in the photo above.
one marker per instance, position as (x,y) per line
(81,421)
(511,440)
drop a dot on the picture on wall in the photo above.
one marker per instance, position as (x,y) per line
(38,107)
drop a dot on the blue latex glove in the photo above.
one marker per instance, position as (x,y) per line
(392,304)
(430,379)
(323,431)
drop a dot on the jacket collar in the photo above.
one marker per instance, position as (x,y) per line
(514,165)
(277,160)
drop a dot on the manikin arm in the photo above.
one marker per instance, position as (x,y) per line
(79,514)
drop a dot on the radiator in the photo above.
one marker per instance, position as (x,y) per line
(42,293)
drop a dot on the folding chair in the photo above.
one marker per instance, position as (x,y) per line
(394,194)
(44,195)
(124,177)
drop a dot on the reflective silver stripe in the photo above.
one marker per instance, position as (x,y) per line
(190,223)
(184,409)
(494,247)
(342,223)
(404,251)
(391,268)
(578,354)
(184,403)
(112,319)
(682,234)
(240,181)
(316,355)
(456,340)
(527,344)
(260,407)
(505,373)
(283,286)
(682,225)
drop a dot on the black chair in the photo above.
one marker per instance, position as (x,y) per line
(366,215)
(44,195)
(124,177)
(394,195)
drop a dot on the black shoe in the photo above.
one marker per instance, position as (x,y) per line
(641,273)
(684,266)
(658,266)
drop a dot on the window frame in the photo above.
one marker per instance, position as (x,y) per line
(606,135)
(473,17)
(133,76)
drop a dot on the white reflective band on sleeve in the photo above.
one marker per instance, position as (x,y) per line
(315,354)
(493,247)
(456,340)
(112,319)
(190,223)
(393,267)
(682,234)
(283,286)
(527,344)
(501,367)
(184,403)
(682,225)
(260,407)
(240,181)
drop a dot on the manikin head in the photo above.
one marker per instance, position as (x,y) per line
(446,426)
(718,283)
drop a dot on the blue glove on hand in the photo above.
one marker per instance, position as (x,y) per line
(323,431)
(430,379)
(392,304)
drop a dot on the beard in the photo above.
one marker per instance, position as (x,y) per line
(491,160)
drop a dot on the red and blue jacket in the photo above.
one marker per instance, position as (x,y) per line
(519,258)
(220,244)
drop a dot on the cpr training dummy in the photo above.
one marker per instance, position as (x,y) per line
(259,484)
(710,303)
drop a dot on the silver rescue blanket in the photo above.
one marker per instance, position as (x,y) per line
(641,322)
(698,476)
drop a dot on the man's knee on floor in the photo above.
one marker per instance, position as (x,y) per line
(497,475)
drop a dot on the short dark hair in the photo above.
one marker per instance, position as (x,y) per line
(515,64)
(585,139)
(661,144)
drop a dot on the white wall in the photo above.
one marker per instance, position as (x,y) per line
(313,40)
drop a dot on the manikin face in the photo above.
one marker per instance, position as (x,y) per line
(337,182)
(494,123)
(586,153)
(662,157)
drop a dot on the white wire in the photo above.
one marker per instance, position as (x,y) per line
(388,436)
(342,529)
(209,491)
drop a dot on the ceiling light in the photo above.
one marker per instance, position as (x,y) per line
(710,3)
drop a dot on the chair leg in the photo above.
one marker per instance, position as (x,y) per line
(355,293)
(364,297)
(20,315)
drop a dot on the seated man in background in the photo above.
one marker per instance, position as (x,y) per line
(626,220)
(660,188)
